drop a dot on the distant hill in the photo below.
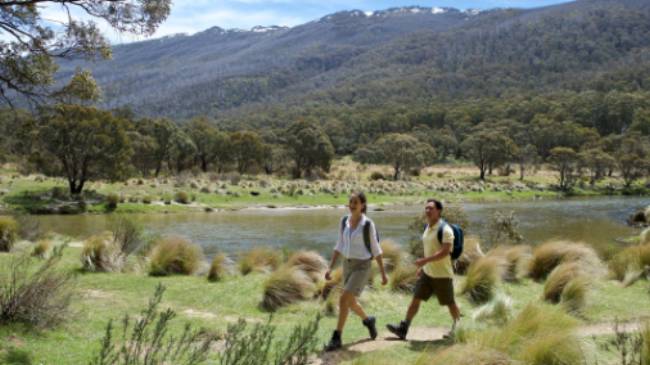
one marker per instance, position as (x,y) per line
(399,55)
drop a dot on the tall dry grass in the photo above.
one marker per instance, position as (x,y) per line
(392,254)
(259,259)
(514,259)
(217,268)
(403,278)
(286,286)
(549,255)
(472,251)
(310,262)
(629,264)
(174,255)
(483,277)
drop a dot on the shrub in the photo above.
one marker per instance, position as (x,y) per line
(111,202)
(482,278)
(472,251)
(101,254)
(257,346)
(40,297)
(403,278)
(8,233)
(147,199)
(29,227)
(146,340)
(455,214)
(504,229)
(310,262)
(127,234)
(286,286)
(41,248)
(376,175)
(392,254)
(174,255)
(217,268)
(515,260)
(182,197)
(259,259)
(549,255)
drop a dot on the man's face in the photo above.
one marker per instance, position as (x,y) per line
(431,212)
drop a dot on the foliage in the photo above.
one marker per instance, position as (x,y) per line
(402,151)
(310,147)
(504,229)
(145,340)
(217,268)
(8,233)
(38,297)
(488,148)
(257,346)
(247,149)
(565,161)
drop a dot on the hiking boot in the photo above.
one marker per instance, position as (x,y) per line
(335,342)
(370,325)
(399,331)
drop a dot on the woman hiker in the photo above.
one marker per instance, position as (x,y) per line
(358,244)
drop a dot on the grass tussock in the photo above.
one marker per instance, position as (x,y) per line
(286,286)
(567,285)
(472,251)
(217,268)
(515,261)
(497,311)
(310,262)
(259,259)
(42,248)
(644,237)
(403,278)
(101,254)
(174,255)
(483,276)
(549,255)
(468,354)
(645,348)
(630,264)
(392,254)
(538,335)
(574,294)
(8,233)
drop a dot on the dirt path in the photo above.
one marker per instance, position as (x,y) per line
(428,337)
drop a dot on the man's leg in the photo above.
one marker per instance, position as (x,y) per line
(414,307)
(454,311)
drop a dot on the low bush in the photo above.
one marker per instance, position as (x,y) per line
(310,262)
(182,197)
(549,255)
(8,233)
(174,255)
(260,259)
(503,228)
(286,286)
(217,268)
(111,201)
(261,346)
(376,175)
(146,340)
(483,276)
(41,248)
(36,297)
(101,254)
(403,278)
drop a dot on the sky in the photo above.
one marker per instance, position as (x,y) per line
(191,16)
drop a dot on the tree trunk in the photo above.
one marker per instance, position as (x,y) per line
(204,164)
(396,175)
(522,170)
(482,173)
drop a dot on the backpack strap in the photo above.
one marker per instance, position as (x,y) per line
(366,237)
(344,221)
(440,231)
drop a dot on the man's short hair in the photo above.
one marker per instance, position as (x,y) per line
(436,202)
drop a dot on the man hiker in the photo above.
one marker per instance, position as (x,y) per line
(435,270)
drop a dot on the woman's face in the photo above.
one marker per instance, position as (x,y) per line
(355,205)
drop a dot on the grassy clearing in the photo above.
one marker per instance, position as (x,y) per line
(102,296)
(188,192)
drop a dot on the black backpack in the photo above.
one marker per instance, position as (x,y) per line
(459,238)
(366,233)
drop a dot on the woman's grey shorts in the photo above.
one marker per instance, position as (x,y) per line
(356,274)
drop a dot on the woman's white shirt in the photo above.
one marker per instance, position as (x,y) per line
(350,243)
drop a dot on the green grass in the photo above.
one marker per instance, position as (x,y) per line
(102,296)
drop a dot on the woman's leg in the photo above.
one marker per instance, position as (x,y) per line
(357,308)
(344,309)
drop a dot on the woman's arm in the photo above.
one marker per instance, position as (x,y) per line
(380,262)
(335,257)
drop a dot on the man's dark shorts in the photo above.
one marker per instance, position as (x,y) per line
(427,286)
